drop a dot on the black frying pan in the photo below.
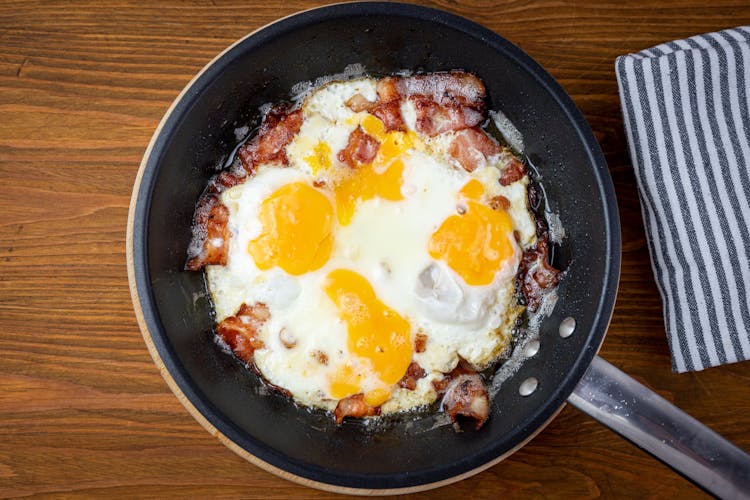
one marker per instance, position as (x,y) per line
(197,136)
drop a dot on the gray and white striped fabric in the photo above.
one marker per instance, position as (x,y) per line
(686,107)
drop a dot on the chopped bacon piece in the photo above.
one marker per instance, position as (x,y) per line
(471,147)
(358,103)
(361,148)
(354,406)
(390,114)
(420,342)
(500,202)
(514,170)
(268,146)
(210,242)
(240,331)
(536,274)
(465,394)
(413,373)
(434,118)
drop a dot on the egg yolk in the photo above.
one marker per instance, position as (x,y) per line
(376,333)
(472,190)
(382,178)
(297,233)
(321,157)
(475,243)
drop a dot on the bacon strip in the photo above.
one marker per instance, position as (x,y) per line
(535,274)
(465,394)
(240,331)
(434,119)
(471,147)
(210,242)
(443,101)
(361,148)
(390,114)
(354,406)
(268,146)
(225,180)
(387,89)
(413,373)
(456,88)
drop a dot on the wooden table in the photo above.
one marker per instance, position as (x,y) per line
(83,410)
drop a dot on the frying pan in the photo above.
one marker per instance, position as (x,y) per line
(198,135)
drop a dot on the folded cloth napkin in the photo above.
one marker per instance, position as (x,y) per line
(686,108)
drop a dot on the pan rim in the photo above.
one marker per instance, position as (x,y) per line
(179,381)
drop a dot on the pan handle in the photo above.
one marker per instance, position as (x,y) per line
(657,426)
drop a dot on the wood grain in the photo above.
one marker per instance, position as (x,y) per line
(83,410)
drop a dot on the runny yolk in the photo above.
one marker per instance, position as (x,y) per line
(376,333)
(475,243)
(382,178)
(321,157)
(297,222)
(472,190)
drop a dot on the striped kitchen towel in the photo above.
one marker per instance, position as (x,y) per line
(686,108)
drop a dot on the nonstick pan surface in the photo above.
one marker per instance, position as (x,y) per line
(196,137)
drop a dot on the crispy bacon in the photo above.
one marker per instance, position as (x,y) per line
(268,146)
(443,101)
(465,394)
(456,88)
(354,406)
(535,274)
(413,373)
(240,331)
(434,118)
(500,202)
(420,342)
(210,242)
(471,147)
(390,114)
(358,103)
(514,170)
(388,107)
(387,89)
(361,148)
(225,180)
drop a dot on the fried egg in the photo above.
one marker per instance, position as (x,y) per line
(354,263)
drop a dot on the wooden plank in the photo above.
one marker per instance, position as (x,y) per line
(84,411)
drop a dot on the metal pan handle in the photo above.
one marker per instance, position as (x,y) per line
(657,426)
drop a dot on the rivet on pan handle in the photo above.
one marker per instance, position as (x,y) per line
(657,426)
